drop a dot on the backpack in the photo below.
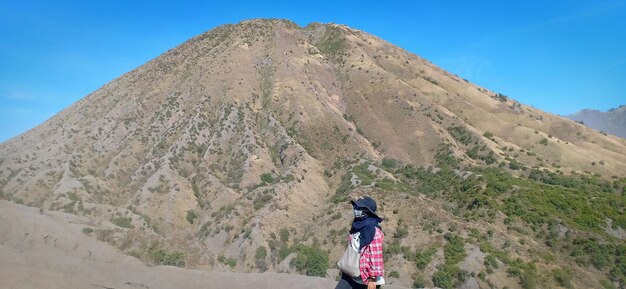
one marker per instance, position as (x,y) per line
(349,262)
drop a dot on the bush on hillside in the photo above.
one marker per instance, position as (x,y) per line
(124,222)
(191,216)
(266,178)
(311,261)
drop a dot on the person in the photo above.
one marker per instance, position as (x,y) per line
(371,266)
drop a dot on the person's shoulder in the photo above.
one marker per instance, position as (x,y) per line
(379,232)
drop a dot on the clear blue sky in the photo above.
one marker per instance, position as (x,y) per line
(559,56)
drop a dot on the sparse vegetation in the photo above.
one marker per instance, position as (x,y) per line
(344,186)
(364,174)
(332,42)
(423,258)
(563,277)
(262,199)
(284,235)
(227,261)
(448,275)
(259,258)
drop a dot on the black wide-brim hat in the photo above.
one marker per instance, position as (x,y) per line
(367,204)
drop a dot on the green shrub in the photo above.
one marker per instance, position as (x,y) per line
(607,284)
(445,277)
(266,178)
(387,184)
(344,186)
(419,281)
(283,252)
(124,222)
(284,235)
(261,253)
(390,163)
(262,199)
(591,251)
(491,262)
(311,261)
(461,134)
(514,165)
(174,259)
(482,275)
(563,277)
(528,280)
(364,174)
(160,256)
(490,158)
(332,42)
(454,250)
(191,216)
(423,258)
(401,232)
(259,258)
(227,261)
(444,157)
(473,153)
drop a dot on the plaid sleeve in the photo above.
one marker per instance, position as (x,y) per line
(371,262)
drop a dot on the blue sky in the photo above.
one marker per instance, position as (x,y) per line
(558,56)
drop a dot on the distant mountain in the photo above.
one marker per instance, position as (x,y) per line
(239,149)
(612,121)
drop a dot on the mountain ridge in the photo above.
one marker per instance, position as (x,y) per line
(612,121)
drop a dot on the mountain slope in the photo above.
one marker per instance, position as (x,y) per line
(612,121)
(237,149)
(51,253)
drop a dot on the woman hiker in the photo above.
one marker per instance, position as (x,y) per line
(366,227)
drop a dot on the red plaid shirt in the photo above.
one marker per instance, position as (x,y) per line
(371,262)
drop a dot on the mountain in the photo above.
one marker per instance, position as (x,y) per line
(239,149)
(612,121)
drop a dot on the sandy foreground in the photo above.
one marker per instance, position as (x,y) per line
(49,250)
